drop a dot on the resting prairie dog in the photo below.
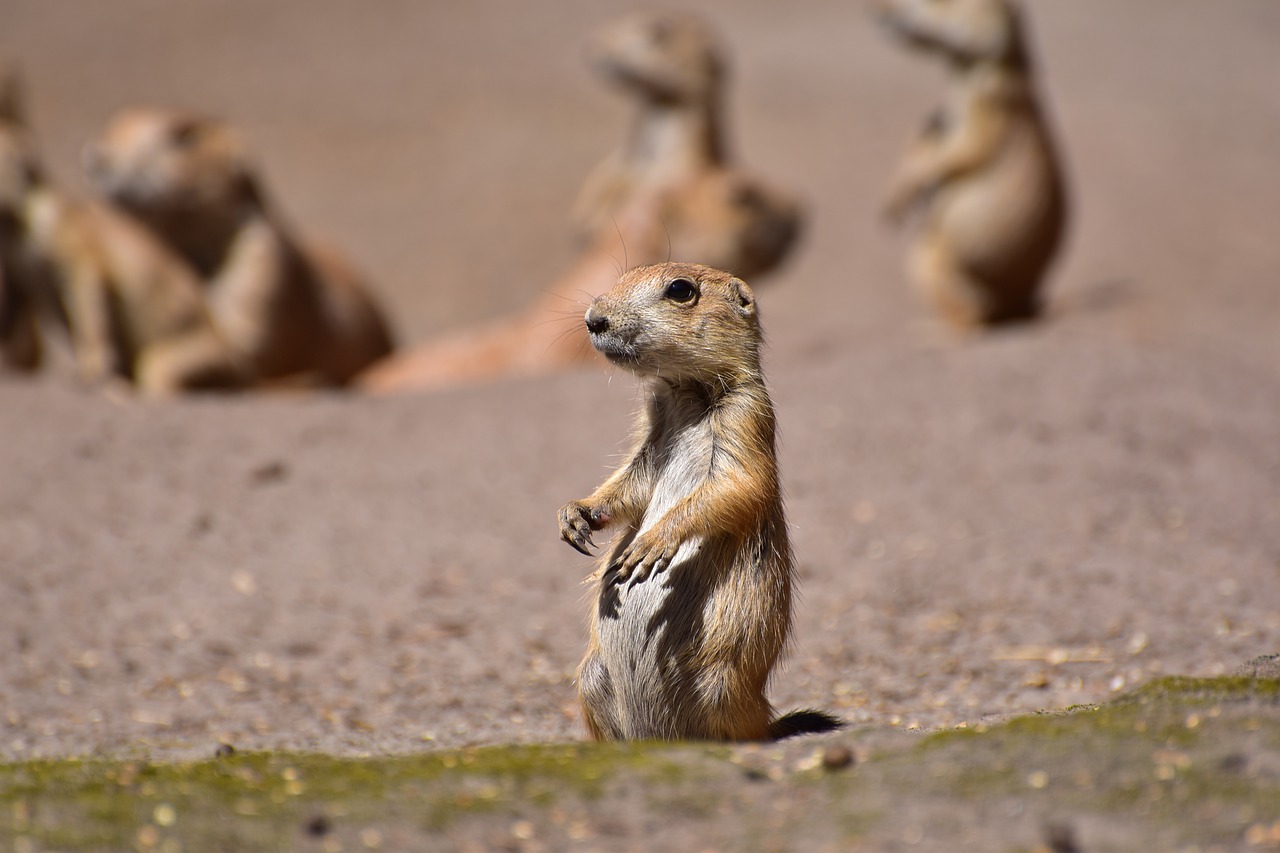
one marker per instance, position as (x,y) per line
(132,310)
(985,173)
(289,309)
(693,603)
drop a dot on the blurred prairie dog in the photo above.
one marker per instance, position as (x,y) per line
(132,309)
(673,67)
(985,173)
(290,309)
(675,159)
(667,193)
(693,602)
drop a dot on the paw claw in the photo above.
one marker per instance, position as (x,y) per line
(576,526)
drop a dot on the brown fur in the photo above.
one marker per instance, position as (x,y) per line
(693,603)
(985,174)
(13,104)
(20,346)
(132,310)
(289,309)
(536,341)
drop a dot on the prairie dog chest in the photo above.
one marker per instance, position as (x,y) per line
(682,455)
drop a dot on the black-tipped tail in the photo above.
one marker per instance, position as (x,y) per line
(804,723)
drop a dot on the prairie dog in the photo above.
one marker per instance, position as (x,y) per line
(673,67)
(675,159)
(984,174)
(132,310)
(668,193)
(289,309)
(693,603)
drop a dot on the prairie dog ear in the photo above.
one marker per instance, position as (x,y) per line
(743,299)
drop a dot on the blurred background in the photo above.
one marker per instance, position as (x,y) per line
(441,145)
(323,571)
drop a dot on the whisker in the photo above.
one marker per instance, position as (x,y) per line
(626,264)
(562,319)
(558,295)
(616,265)
(558,338)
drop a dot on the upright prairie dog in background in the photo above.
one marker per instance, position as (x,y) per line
(291,310)
(675,159)
(693,601)
(673,67)
(985,173)
(131,309)
(668,193)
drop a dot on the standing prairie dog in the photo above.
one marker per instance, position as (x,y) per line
(693,601)
(133,310)
(289,309)
(985,172)
(675,159)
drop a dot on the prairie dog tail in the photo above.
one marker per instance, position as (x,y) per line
(807,722)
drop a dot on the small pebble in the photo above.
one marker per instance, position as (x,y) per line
(837,757)
(317,826)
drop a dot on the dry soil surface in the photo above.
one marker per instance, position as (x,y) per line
(984,526)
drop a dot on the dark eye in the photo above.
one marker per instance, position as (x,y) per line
(680,290)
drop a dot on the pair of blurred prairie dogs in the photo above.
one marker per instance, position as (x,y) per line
(185,277)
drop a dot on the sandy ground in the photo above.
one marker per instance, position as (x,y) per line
(1030,520)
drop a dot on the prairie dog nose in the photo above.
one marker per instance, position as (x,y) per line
(596,323)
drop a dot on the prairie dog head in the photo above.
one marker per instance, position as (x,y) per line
(663,56)
(680,322)
(157,162)
(964,31)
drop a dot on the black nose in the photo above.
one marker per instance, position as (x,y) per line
(597,323)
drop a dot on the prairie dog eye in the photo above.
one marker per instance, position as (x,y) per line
(680,290)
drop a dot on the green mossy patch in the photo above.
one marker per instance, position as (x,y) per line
(1187,761)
